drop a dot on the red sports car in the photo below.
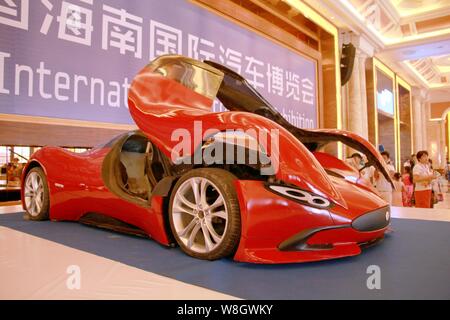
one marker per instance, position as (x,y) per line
(207,181)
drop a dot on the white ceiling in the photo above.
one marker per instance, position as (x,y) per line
(411,36)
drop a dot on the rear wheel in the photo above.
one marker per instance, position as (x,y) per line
(36,195)
(204,213)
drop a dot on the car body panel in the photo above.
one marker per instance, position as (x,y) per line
(337,167)
(76,188)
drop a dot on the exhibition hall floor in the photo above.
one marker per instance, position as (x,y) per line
(35,258)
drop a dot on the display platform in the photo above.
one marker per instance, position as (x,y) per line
(413,260)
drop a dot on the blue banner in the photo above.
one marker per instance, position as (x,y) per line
(75,59)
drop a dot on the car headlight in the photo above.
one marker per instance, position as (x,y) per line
(302,196)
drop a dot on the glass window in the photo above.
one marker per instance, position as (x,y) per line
(22,153)
(386,114)
(77,150)
(385,94)
(404,107)
(193,77)
(4,155)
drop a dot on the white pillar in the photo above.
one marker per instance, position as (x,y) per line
(442,150)
(354,94)
(355,109)
(363,95)
(425,117)
(417,119)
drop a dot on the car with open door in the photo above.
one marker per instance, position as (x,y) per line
(206,181)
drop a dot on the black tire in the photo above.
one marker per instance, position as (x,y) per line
(224,182)
(43,212)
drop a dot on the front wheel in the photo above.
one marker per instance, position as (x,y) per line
(36,195)
(204,213)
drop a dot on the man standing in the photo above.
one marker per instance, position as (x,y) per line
(383,186)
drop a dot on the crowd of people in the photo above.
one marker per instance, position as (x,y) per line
(416,186)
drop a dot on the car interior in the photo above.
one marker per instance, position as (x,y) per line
(140,167)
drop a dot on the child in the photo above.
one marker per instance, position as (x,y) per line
(409,187)
(399,188)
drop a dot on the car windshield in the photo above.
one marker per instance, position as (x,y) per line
(237,94)
(192,74)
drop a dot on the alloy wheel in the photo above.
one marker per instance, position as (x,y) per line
(34,194)
(200,215)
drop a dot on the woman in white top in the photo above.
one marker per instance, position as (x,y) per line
(383,186)
(423,176)
(397,192)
